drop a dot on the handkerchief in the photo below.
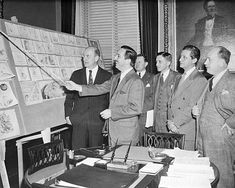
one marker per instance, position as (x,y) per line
(148,85)
(224,92)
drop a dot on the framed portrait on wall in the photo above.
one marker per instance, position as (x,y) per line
(205,24)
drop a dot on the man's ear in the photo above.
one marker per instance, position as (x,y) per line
(146,64)
(194,60)
(97,58)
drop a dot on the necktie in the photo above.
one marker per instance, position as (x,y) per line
(139,74)
(90,81)
(161,80)
(210,84)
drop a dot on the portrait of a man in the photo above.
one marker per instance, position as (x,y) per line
(205,24)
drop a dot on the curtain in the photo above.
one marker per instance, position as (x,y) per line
(68,16)
(148,16)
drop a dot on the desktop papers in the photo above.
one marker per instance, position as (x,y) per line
(90,161)
(151,168)
(179,182)
(186,170)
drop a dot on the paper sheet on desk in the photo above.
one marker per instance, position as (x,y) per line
(61,183)
(149,119)
(179,153)
(90,161)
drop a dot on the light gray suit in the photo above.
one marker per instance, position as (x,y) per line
(181,103)
(126,103)
(218,108)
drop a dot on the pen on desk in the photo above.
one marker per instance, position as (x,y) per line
(113,154)
(127,153)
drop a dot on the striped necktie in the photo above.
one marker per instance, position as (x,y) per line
(90,81)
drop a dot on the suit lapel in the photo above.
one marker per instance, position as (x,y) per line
(145,78)
(83,77)
(98,76)
(221,82)
(123,81)
(114,85)
(182,87)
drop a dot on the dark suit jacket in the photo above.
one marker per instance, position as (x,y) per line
(148,84)
(126,103)
(219,30)
(83,109)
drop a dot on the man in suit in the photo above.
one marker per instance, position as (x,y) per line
(217,118)
(147,78)
(126,98)
(186,93)
(83,112)
(163,86)
(209,29)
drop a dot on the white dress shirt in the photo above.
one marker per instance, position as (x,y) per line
(94,72)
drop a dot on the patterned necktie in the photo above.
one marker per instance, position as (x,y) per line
(161,80)
(210,84)
(90,81)
(139,74)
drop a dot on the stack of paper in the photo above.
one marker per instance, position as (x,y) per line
(192,161)
(196,171)
(151,168)
(179,182)
(179,153)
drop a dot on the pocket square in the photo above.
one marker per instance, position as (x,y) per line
(224,92)
(148,85)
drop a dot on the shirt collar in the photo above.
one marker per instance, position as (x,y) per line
(217,78)
(187,73)
(124,73)
(95,69)
(165,74)
(141,73)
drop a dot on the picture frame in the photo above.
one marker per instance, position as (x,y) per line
(188,22)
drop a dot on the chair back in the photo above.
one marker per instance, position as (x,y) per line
(164,140)
(46,162)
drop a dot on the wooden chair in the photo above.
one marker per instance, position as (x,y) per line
(164,140)
(47,161)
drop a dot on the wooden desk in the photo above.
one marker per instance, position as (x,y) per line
(142,181)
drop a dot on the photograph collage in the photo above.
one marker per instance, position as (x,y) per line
(42,58)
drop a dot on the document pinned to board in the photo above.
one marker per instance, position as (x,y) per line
(149,119)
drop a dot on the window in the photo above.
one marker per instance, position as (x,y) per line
(113,22)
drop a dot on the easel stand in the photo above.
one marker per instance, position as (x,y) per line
(3,170)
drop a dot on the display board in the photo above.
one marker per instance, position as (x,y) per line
(31,98)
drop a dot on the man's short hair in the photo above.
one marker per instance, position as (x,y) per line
(194,51)
(142,55)
(166,55)
(224,53)
(96,50)
(206,2)
(130,54)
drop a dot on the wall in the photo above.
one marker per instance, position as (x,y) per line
(41,13)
